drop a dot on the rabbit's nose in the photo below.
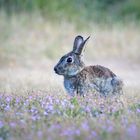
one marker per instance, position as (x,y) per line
(55,69)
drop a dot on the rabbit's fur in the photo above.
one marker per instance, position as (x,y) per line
(79,79)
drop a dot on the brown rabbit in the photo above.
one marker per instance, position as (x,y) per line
(79,79)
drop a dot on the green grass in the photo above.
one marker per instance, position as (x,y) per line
(79,11)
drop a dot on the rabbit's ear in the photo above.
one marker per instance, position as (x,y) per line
(79,43)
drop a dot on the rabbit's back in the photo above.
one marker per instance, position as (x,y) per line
(98,78)
(97,71)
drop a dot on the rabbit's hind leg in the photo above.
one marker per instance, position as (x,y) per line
(117,85)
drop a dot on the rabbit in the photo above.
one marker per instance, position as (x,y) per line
(80,79)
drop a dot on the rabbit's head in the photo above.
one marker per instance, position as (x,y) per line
(71,63)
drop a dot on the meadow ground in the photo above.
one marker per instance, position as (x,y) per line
(33,102)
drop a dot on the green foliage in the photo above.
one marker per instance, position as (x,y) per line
(4,132)
(135,106)
(74,101)
(118,113)
(77,10)
(131,9)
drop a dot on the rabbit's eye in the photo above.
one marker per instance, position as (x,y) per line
(69,59)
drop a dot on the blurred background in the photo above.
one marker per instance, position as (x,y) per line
(34,34)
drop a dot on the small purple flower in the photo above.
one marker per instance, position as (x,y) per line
(68,132)
(87,109)
(13,124)
(71,106)
(1,124)
(34,118)
(124,121)
(8,99)
(34,110)
(0,96)
(43,103)
(57,101)
(85,126)
(39,133)
(22,121)
(93,133)
(132,130)
(64,103)
(50,107)
(53,127)
(7,108)
(77,132)
(17,100)
(46,113)
(18,114)
(109,128)
(138,110)
(26,103)
(30,97)
(50,100)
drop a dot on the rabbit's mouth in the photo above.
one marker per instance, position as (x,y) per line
(57,71)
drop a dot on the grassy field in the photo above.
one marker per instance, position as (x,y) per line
(33,102)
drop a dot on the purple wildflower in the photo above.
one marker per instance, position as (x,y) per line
(7,108)
(39,133)
(93,133)
(68,132)
(8,99)
(85,126)
(1,124)
(138,110)
(132,130)
(13,124)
